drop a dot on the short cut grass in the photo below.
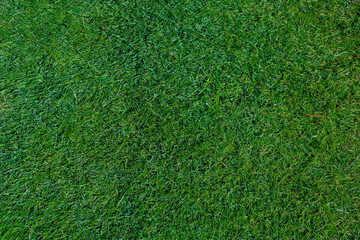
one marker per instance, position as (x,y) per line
(179,119)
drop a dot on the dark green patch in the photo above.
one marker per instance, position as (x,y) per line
(179,119)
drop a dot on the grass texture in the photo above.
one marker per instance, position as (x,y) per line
(179,119)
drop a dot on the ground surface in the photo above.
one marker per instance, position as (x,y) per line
(179,119)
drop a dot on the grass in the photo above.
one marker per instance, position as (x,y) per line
(174,119)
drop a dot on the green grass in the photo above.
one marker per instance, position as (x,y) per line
(179,119)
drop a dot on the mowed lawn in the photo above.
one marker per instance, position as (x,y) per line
(179,119)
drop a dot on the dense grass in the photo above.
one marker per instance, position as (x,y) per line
(232,119)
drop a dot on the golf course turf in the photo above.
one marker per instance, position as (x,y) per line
(179,119)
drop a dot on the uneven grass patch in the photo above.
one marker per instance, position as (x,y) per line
(179,119)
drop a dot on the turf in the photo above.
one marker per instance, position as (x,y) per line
(179,119)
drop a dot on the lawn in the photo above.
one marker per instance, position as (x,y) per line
(179,119)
